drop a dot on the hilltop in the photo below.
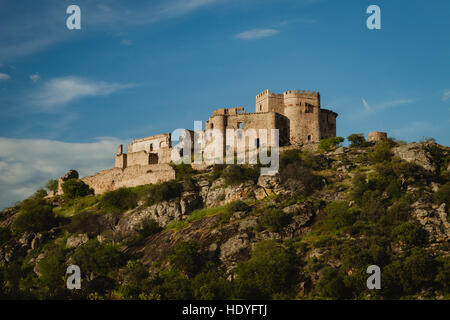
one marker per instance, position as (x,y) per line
(226,232)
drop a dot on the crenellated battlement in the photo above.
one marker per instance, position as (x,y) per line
(301,93)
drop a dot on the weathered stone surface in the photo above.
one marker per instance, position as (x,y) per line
(77,240)
(433,219)
(234,245)
(248,224)
(415,152)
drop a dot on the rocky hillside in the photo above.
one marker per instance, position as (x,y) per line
(227,233)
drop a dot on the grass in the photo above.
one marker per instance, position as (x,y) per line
(74,206)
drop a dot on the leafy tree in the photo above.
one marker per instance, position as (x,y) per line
(211,285)
(339,214)
(74,188)
(39,194)
(97,258)
(53,270)
(331,284)
(52,185)
(270,270)
(356,139)
(443,194)
(409,234)
(275,220)
(187,257)
(119,200)
(35,215)
(381,152)
(330,143)
(164,191)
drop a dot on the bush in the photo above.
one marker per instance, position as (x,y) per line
(339,215)
(331,284)
(86,222)
(211,285)
(271,270)
(275,220)
(330,143)
(97,258)
(300,179)
(356,139)
(238,206)
(235,174)
(187,257)
(119,200)
(182,170)
(53,269)
(409,234)
(52,185)
(164,192)
(5,235)
(35,215)
(443,194)
(381,152)
(39,194)
(74,188)
(148,227)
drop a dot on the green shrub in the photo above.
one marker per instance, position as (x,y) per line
(409,234)
(52,269)
(356,139)
(52,185)
(300,179)
(5,235)
(39,194)
(271,270)
(275,220)
(86,222)
(211,285)
(443,194)
(236,206)
(74,188)
(136,280)
(35,215)
(148,227)
(381,152)
(164,191)
(119,200)
(330,143)
(339,215)
(187,257)
(182,170)
(97,258)
(235,174)
(331,284)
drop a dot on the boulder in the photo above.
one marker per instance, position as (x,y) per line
(77,240)
(234,245)
(433,219)
(416,152)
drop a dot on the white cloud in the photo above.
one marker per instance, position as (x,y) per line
(59,91)
(35,77)
(256,34)
(126,42)
(370,109)
(4,77)
(27,164)
(446,95)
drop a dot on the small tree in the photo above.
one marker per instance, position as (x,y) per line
(356,139)
(74,188)
(52,185)
(330,143)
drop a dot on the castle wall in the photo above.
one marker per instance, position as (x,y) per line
(116,178)
(327,124)
(150,144)
(138,158)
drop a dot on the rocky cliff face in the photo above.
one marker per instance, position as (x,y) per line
(316,206)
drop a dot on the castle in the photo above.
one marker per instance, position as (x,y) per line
(296,114)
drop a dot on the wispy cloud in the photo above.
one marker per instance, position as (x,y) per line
(256,34)
(35,77)
(370,109)
(126,42)
(38,27)
(59,91)
(446,95)
(4,77)
(27,164)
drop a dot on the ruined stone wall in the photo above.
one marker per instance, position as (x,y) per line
(377,136)
(150,144)
(116,178)
(327,124)
(138,158)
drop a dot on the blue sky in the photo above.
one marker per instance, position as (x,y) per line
(138,68)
